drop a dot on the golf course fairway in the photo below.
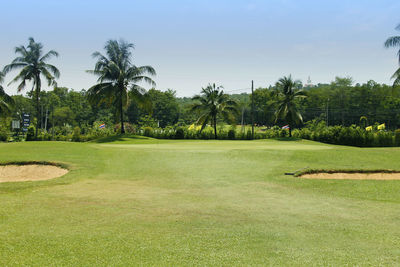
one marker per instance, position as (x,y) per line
(139,201)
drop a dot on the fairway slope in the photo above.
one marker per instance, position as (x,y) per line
(199,203)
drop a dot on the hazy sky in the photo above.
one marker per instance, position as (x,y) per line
(230,42)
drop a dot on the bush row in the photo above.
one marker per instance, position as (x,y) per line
(208,133)
(351,136)
(339,135)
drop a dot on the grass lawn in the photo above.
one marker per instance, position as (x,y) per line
(137,201)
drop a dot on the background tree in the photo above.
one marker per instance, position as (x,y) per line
(32,63)
(6,102)
(287,109)
(165,109)
(162,107)
(211,103)
(394,41)
(264,106)
(340,93)
(63,115)
(118,78)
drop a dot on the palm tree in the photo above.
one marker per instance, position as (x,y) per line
(393,42)
(212,102)
(287,109)
(118,78)
(6,102)
(32,63)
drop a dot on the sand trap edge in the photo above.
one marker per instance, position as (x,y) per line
(34,162)
(347,171)
(60,165)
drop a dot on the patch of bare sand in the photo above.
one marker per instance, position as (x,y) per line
(353,176)
(31,172)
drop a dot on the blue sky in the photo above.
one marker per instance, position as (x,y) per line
(230,42)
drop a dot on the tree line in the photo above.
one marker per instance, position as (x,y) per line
(119,98)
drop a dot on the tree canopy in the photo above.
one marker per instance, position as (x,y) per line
(118,78)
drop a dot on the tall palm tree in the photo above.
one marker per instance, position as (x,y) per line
(6,102)
(118,77)
(394,41)
(287,94)
(212,102)
(32,62)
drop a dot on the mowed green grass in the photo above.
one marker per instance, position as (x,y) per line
(137,201)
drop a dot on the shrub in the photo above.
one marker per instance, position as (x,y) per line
(180,133)
(231,134)
(3,135)
(76,136)
(30,134)
(397,137)
(61,137)
(249,135)
(148,131)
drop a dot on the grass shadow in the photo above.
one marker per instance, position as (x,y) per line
(119,138)
(287,139)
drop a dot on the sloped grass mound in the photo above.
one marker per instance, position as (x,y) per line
(30,171)
(122,138)
(350,174)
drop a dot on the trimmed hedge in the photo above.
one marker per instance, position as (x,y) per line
(350,136)
(338,135)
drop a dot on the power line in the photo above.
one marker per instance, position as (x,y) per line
(235,90)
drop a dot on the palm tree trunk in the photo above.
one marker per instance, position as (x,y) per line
(121,110)
(215,127)
(38,117)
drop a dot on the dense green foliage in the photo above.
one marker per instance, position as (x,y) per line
(361,105)
(287,109)
(213,103)
(32,63)
(118,78)
(6,102)
(352,135)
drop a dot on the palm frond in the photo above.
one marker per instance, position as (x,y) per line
(143,79)
(48,76)
(392,41)
(14,66)
(203,120)
(139,95)
(6,102)
(396,77)
(27,73)
(21,86)
(101,93)
(49,55)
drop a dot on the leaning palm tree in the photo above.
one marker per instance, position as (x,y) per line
(32,63)
(394,41)
(6,102)
(287,109)
(118,78)
(211,103)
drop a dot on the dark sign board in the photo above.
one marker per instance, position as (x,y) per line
(26,121)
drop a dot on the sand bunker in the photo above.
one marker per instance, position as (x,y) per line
(31,172)
(353,176)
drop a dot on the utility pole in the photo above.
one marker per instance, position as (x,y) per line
(45,120)
(52,122)
(327,113)
(252,109)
